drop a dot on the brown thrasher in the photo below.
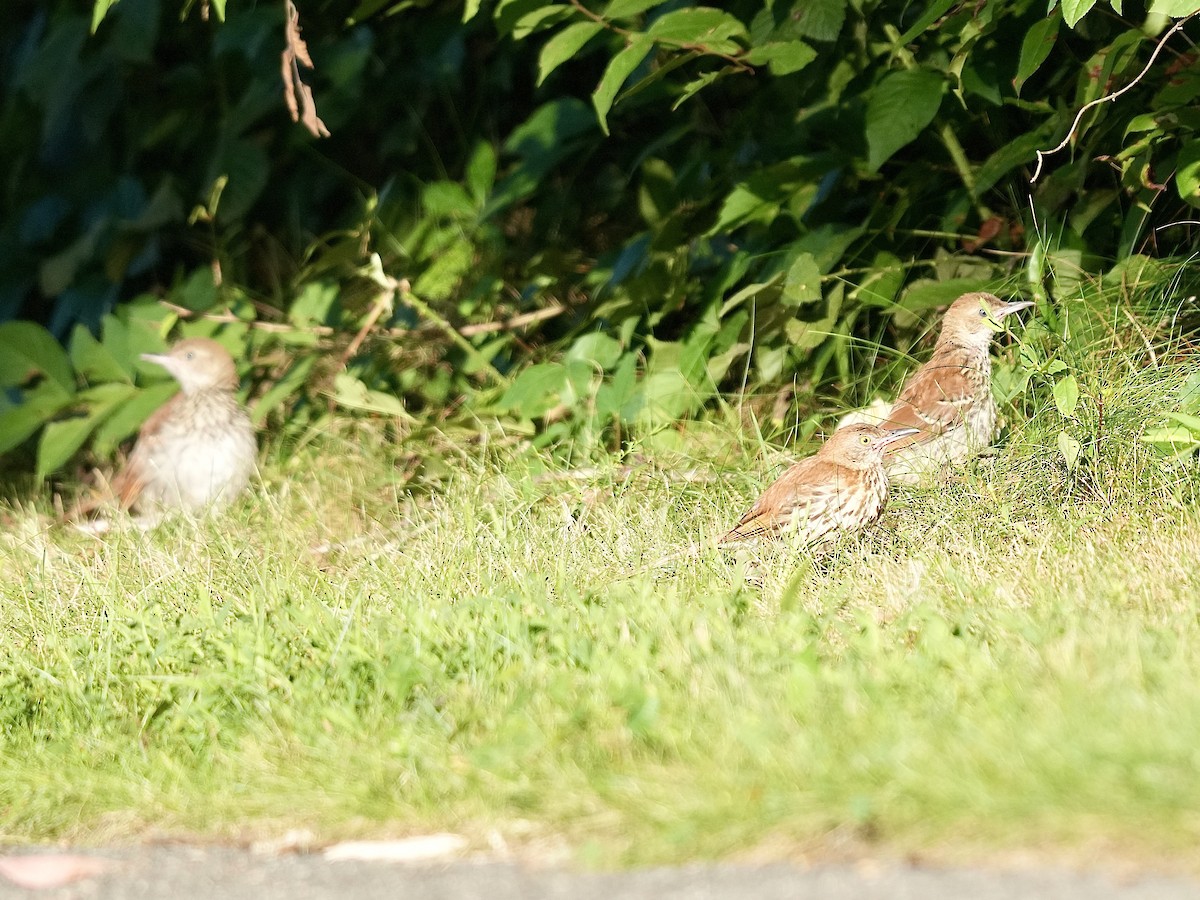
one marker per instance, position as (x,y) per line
(841,488)
(197,450)
(948,401)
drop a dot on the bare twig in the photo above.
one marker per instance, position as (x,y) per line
(529,318)
(1042,154)
(295,91)
(512,324)
(383,303)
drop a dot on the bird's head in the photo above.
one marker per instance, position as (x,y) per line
(198,364)
(974,318)
(861,446)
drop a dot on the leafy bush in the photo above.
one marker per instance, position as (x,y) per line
(604,217)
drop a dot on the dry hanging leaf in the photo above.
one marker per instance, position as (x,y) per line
(295,91)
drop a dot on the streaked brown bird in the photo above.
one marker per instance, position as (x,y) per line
(948,401)
(197,450)
(841,488)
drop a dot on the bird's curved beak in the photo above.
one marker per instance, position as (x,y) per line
(890,437)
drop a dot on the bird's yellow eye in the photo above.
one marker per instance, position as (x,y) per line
(864,439)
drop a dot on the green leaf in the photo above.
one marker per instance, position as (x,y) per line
(597,348)
(199,292)
(802,284)
(615,393)
(805,335)
(535,390)
(100,9)
(351,393)
(470,10)
(1066,396)
(898,110)
(551,133)
(578,385)
(509,12)
(27,350)
(1176,9)
(218,7)
(926,294)
(94,360)
(443,275)
(748,292)
(1036,46)
(1016,152)
(565,45)
(620,67)
(881,285)
(36,408)
(1172,434)
(130,415)
(286,388)
(314,304)
(820,20)
(481,171)
(932,13)
(539,19)
(696,85)
(447,199)
(744,205)
(1188,421)
(1069,448)
(782,57)
(702,26)
(60,440)
(1187,172)
(622,9)
(665,396)
(1074,10)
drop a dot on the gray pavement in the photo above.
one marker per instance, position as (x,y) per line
(183,873)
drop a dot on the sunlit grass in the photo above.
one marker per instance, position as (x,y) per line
(1011,660)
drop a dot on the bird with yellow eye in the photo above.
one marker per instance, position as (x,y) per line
(948,401)
(841,488)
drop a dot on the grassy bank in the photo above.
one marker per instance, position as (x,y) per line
(1012,660)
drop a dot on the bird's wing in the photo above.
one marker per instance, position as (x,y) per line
(126,486)
(810,487)
(933,401)
(128,483)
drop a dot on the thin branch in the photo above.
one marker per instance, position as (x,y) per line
(511,324)
(529,318)
(383,303)
(1042,154)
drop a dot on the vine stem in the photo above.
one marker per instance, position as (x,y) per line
(1042,154)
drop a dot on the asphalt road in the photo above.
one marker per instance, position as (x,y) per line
(183,873)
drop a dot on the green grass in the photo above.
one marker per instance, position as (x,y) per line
(1012,660)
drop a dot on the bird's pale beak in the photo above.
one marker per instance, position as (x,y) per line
(1007,309)
(159,359)
(890,437)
